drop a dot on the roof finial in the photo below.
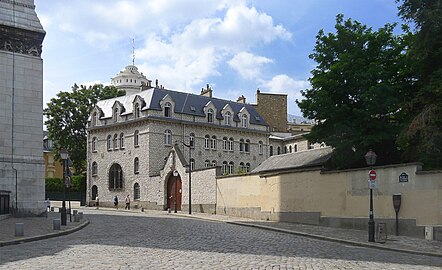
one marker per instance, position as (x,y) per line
(133,51)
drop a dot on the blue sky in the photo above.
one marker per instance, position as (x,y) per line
(235,46)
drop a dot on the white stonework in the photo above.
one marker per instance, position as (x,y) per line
(21,107)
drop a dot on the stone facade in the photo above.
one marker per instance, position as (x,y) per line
(21,107)
(273,107)
(143,132)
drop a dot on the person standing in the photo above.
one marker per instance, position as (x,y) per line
(116,201)
(97,202)
(127,202)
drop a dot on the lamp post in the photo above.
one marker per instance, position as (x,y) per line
(64,156)
(175,175)
(370,158)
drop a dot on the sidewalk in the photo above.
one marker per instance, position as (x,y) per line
(346,236)
(35,228)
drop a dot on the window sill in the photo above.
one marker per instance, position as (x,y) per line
(136,146)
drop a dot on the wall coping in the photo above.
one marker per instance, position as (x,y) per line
(417,164)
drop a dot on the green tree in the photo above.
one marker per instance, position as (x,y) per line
(357,90)
(67,116)
(423,135)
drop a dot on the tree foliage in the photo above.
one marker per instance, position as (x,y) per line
(67,116)
(357,91)
(423,136)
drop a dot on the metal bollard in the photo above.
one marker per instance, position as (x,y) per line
(75,212)
(56,224)
(80,215)
(19,229)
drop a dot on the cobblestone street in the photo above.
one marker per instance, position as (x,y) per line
(129,240)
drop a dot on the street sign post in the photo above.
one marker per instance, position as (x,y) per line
(372,175)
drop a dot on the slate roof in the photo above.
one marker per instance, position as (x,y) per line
(184,103)
(303,159)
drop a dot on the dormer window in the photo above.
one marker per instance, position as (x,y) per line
(210,116)
(244,121)
(137,110)
(115,115)
(167,109)
(94,119)
(227,119)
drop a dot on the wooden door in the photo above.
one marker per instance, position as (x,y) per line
(174,190)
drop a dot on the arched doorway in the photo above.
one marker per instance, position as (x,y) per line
(94,192)
(174,191)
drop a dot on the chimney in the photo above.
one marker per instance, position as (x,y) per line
(206,92)
(156,83)
(241,99)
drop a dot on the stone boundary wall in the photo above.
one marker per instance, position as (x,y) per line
(337,198)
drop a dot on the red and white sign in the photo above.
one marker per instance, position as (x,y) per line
(372,175)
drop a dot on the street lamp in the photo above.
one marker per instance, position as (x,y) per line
(370,158)
(64,156)
(175,175)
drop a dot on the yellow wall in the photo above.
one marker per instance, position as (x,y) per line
(338,194)
(53,168)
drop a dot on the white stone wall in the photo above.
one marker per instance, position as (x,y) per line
(21,130)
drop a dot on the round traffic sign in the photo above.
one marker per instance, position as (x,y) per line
(372,175)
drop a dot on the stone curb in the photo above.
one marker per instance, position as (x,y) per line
(315,236)
(44,236)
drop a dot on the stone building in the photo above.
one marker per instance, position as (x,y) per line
(22,186)
(137,141)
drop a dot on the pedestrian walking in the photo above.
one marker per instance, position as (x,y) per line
(97,202)
(116,201)
(127,202)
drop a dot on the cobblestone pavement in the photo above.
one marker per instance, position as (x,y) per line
(129,240)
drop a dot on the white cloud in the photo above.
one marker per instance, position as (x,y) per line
(248,65)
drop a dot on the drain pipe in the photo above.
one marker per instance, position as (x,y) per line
(13,114)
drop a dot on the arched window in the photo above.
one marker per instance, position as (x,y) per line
(109,142)
(121,140)
(192,140)
(207,163)
(241,145)
(244,121)
(94,168)
(207,142)
(241,167)
(311,145)
(167,137)
(279,150)
(137,110)
(213,143)
(225,144)
(231,144)
(210,116)
(115,114)
(192,164)
(247,167)
(227,119)
(115,177)
(231,167)
(290,148)
(224,168)
(136,165)
(260,148)
(167,109)
(115,141)
(271,150)
(136,138)
(247,146)
(136,192)
(285,149)
(296,148)
(322,145)
(214,163)
(94,144)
